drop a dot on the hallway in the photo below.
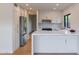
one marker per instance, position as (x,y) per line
(26,50)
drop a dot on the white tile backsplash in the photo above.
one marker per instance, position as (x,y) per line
(54,26)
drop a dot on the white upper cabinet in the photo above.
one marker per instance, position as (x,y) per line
(50,15)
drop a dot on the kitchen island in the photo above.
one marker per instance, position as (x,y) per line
(51,42)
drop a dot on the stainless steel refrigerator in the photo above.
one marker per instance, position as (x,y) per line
(23,30)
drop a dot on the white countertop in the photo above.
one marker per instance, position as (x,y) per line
(61,32)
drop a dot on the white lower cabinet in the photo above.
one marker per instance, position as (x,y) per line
(71,44)
(55,44)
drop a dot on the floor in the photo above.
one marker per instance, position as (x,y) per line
(26,50)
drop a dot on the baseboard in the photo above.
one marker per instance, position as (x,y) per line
(55,54)
(6,52)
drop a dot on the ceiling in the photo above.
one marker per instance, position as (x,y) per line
(46,6)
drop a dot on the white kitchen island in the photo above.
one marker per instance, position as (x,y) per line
(51,42)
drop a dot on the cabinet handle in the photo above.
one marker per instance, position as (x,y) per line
(65,41)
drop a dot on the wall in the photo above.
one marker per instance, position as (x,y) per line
(15,28)
(30,25)
(74,18)
(17,12)
(9,27)
(6,18)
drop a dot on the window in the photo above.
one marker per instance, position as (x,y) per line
(66,21)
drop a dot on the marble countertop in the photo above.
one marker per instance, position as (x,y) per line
(60,32)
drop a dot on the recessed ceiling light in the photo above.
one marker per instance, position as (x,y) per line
(57,4)
(30,8)
(27,4)
(54,8)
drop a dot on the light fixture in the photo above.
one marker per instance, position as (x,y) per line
(30,8)
(57,4)
(27,4)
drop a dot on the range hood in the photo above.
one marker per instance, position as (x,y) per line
(46,20)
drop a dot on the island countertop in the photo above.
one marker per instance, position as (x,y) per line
(60,32)
(55,42)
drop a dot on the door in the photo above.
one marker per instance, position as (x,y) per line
(32,23)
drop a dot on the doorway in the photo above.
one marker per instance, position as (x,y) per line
(32,23)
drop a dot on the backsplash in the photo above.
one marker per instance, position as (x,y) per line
(54,26)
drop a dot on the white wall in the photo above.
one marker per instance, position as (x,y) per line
(37,18)
(6,18)
(17,11)
(74,18)
(30,25)
(15,28)
(9,27)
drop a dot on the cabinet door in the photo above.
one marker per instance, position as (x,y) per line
(49,44)
(71,44)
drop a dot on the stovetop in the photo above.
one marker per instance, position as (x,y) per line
(47,29)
